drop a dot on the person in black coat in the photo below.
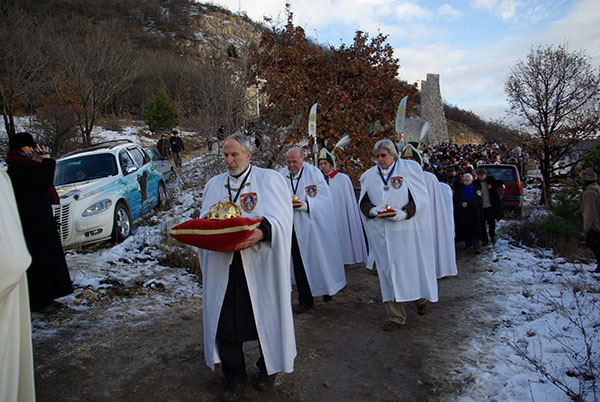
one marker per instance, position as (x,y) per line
(491,206)
(48,275)
(467,212)
(176,147)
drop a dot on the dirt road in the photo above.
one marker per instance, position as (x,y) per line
(343,355)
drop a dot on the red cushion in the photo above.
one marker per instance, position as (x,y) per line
(212,234)
(388,213)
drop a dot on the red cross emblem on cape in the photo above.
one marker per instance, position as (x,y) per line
(311,191)
(248,201)
(396,182)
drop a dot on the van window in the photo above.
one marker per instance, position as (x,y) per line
(140,158)
(124,160)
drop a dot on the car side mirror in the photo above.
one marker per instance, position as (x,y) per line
(130,169)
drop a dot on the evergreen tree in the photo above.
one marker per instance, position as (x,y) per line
(160,113)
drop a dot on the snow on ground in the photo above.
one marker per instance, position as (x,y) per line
(531,286)
(531,282)
(535,291)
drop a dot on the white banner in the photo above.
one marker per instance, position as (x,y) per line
(400,116)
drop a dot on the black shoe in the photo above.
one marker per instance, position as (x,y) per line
(422,308)
(390,325)
(263,381)
(52,307)
(302,308)
(233,391)
(327,298)
(477,252)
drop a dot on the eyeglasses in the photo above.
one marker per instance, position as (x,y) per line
(382,155)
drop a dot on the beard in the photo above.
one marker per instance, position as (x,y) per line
(236,171)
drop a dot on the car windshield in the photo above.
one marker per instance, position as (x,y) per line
(506,174)
(84,168)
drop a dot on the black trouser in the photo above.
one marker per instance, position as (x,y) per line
(304,294)
(233,362)
(236,325)
(592,239)
(488,218)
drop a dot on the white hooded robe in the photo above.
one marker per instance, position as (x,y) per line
(316,232)
(403,250)
(443,233)
(16,357)
(347,219)
(266,266)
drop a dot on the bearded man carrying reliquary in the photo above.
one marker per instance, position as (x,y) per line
(247,293)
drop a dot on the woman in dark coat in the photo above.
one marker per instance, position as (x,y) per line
(48,275)
(467,212)
(491,208)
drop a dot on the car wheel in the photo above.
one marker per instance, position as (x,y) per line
(121,223)
(163,200)
(519,212)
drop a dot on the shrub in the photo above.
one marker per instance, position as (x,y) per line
(559,229)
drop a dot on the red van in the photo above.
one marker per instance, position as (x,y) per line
(512,196)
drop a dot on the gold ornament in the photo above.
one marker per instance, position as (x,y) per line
(224,210)
(294,197)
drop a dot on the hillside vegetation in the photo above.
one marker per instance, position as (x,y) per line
(72,63)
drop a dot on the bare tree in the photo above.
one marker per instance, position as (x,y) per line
(95,64)
(556,93)
(56,126)
(22,61)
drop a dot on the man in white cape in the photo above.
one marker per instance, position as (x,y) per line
(316,253)
(247,294)
(394,206)
(345,208)
(16,357)
(442,223)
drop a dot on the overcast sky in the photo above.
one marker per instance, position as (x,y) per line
(471,44)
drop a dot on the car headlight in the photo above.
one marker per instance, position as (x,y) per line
(97,207)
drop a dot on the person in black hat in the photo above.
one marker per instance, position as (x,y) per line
(176,147)
(48,275)
(590,209)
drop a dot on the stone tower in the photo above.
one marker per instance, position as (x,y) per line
(433,110)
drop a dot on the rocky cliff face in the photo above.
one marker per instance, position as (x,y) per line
(216,29)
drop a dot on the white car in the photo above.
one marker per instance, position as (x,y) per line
(161,162)
(103,189)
